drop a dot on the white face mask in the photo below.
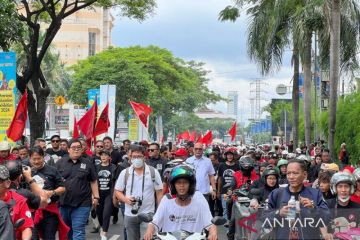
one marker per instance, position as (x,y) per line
(344,199)
(137,162)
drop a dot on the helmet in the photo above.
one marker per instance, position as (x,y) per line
(356,174)
(342,177)
(282,162)
(246,163)
(15,169)
(208,151)
(170,165)
(270,171)
(291,156)
(230,150)
(182,171)
(304,158)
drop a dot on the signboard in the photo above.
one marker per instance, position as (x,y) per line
(133,129)
(92,93)
(60,100)
(281,89)
(7,91)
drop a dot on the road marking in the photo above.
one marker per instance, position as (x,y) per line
(114,237)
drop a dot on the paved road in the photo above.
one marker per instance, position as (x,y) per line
(116,231)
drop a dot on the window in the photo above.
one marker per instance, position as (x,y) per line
(92,43)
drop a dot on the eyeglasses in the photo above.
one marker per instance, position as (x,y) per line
(152,150)
(55,141)
(76,148)
(100,146)
(198,149)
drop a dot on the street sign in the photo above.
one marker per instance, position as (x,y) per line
(281,89)
(60,100)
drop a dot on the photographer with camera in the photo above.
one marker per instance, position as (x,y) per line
(136,187)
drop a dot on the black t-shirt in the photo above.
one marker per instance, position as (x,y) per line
(351,212)
(106,176)
(56,155)
(48,178)
(159,164)
(95,160)
(226,173)
(77,177)
(116,157)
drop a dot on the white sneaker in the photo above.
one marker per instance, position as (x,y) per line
(102,237)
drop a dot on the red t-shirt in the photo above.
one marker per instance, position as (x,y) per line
(10,157)
(355,198)
(19,210)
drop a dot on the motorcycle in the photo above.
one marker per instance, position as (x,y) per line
(181,235)
(344,230)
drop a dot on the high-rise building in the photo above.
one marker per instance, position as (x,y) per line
(84,34)
(232,105)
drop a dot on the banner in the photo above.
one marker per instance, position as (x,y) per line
(7,91)
(91,97)
(108,95)
(133,129)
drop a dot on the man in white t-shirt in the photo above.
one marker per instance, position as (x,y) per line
(189,211)
(137,185)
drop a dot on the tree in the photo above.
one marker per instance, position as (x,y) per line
(51,13)
(151,75)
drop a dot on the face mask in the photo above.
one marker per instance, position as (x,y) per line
(137,162)
(343,200)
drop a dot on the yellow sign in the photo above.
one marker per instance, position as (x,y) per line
(60,100)
(133,129)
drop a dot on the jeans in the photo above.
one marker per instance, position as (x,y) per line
(135,229)
(76,219)
(224,206)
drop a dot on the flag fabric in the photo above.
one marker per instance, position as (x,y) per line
(207,138)
(17,125)
(232,132)
(76,129)
(142,111)
(200,138)
(87,122)
(185,135)
(193,136)
(103,123)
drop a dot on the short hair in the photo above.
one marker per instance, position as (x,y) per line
(326,150)
(325,177)
(74,140)
(137,148)
(155,144)
(163,148)
(108,138)
(41,140)
(37,150)
(55,136)
(302,163)
(126,141)
(215,154)
(318,155)
(64,140)
(22,147)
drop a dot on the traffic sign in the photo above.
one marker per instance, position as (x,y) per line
(281,89)
(60,100)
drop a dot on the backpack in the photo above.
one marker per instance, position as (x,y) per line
(6,225)
(127,174)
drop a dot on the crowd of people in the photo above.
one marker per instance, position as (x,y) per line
(56,190)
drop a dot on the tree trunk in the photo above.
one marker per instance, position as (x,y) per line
(295,97)
(334,69)
(307,87)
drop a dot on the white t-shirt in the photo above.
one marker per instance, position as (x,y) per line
(203,168)
(171,217)
(148,202)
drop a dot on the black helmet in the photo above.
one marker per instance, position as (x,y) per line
(15,169)
(182,171)
(246,163)
(271,171)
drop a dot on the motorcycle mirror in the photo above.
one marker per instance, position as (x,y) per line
(218,221)
(145,217)
(255,191)
(19,223)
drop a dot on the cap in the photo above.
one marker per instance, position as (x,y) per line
(181,152)
(4,146)
(329,167)
(106,152)
(4,173)
(349,168)
(144,143)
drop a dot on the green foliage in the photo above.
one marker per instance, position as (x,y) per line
(151,75)
(277,109)
(262,138)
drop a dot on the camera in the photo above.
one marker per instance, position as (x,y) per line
(24,167)
(136,206)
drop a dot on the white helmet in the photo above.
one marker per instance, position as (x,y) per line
(342,177)
(356,174)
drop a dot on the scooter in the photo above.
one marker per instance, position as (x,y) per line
(181,235)
(343,229)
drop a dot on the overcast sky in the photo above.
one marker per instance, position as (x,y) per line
(191,30)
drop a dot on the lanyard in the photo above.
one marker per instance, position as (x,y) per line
(143,184)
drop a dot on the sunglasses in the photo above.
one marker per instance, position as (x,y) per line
(55,141)
(152,150)
(100,146)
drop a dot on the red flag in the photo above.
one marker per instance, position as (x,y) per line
(193,136)
(17,125)
(200,138)
(76,129)
(232,131)
(87,122)
(207,138)
(103,122)
(142,111)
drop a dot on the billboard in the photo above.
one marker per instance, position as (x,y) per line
(92,93)
(7,91)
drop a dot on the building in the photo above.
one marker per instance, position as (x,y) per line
(84,34)
(208,114)
(232,105)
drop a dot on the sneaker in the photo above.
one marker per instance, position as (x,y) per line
(103,237)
